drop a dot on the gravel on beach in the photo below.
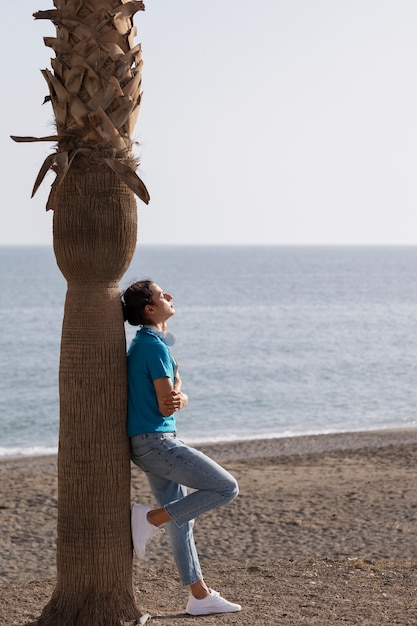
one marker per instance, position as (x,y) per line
(323,532)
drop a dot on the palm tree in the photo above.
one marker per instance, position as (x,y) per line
(95,92)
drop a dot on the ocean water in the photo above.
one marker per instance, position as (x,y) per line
(271,341)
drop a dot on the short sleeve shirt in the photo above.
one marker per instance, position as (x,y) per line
(148,359)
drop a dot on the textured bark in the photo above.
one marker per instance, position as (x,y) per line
(95,93)
(95,224)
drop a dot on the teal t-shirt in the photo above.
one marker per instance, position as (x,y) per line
(148,359)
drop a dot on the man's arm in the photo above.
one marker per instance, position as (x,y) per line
(170,397)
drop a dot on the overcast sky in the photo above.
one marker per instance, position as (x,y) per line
(276,122)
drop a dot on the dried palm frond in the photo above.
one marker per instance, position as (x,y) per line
(94,88)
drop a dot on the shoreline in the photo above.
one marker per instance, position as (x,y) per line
(261,447)
(297,445)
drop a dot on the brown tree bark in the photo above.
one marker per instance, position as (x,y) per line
(95,225)
(95,93)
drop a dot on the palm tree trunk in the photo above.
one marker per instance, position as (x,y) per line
(95,93)
(94,241)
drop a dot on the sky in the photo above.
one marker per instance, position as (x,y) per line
(276,122)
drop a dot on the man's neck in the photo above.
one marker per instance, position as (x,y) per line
(162,326)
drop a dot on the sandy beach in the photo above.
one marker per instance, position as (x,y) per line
(323,532)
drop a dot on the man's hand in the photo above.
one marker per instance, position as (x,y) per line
(170,399)
(176,401)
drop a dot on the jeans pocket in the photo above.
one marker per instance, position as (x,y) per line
(140,457)
(140,449)
(155,459)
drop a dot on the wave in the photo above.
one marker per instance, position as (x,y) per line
(28,451)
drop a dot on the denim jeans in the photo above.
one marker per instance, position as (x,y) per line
(171,467)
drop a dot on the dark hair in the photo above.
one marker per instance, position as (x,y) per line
(134,300)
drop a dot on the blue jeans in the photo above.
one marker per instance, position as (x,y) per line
(171,467)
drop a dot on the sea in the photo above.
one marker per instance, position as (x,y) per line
(272,341)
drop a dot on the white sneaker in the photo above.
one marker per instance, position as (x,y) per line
(142,530)
(212,603)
